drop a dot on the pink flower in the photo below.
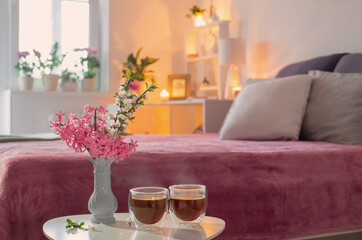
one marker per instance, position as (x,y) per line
(102,110)
(36,53)
(88,109)
(59,116)
(134,86)
(133,145)
(91,50)
(80,134)
(22,54)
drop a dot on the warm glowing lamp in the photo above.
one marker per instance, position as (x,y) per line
(236,91)
(164,95)
(199,20)
(231,53)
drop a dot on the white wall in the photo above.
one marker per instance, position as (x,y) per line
(279,32)
(31,111)
(155,25)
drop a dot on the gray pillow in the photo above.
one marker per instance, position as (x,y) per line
(324,63)
(268,110)
(334,109)
(349,63)
(256,80)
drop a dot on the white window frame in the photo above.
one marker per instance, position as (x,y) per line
(9,42)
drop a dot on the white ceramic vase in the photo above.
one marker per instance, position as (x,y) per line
(25,83)
(198,20)
(102,204)
(50,82)
(88,84)
(68,86)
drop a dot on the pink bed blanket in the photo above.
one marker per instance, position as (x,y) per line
(263,190)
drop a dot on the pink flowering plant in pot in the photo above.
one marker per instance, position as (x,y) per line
(48,65)
(25,67)
(140,66)
(89,64)
(103,136)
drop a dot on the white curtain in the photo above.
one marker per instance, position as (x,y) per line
(5,56)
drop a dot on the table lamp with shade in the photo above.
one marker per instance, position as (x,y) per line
(231,53)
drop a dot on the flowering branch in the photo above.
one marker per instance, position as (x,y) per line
(99,132)
(127,103)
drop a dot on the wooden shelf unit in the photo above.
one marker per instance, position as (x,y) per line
(202,42)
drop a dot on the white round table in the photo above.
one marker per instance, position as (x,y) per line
(122,229)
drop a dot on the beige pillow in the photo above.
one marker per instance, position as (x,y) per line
(334,110)
(268,110)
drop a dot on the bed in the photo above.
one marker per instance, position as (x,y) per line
(262,189)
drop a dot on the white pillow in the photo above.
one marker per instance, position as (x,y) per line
(269,110)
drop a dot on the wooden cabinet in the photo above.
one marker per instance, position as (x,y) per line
(181,117)
(201,59)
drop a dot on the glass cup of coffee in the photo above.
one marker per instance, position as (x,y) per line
(148,207)
(188,203)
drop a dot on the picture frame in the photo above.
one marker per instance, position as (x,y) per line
(179,86)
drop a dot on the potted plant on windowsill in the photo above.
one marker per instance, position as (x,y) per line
(68,81)
(89,65)
(140,69)
(47,67)
(25,70)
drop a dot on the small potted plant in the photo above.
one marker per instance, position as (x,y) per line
(25,70)
(139,68)
(69,80)
(197,16)
(47,67)
(89,65)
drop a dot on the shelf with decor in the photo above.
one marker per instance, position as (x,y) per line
(207,26)
(202,59)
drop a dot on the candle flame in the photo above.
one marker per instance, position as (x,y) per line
(164,93)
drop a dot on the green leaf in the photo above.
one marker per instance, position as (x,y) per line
(128,73)
(69,221)
(138,52)
(81,224)
(136,76)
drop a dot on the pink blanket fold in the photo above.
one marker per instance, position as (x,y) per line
(263,190)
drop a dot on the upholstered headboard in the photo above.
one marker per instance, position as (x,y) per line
(341,62)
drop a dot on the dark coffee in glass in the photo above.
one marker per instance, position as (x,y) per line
(148,207)
(148,210)
(188,209)
(188,203)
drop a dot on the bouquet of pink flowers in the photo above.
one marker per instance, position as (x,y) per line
(99,132)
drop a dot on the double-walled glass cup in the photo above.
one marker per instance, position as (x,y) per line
(188,203)
(148,207)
